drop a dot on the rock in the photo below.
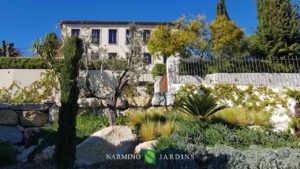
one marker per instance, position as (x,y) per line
(23,157)
(148,145)
(165,99)
(19,149)
(33,118)
(89,102)
(20,128)
(45,155)
(10,134)
(4,106)
(8,117)
(140,101)
(53,113)
(30,131)
(108,141)
(122,104)
(280,120)
(29,106)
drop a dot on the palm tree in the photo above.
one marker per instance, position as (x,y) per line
(201,106)
(36,47)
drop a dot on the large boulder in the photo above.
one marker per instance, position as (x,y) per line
(89,102)
(45,155)
(108,141)
(163,99)
(10,134)
(33,118)
(53,113)
(148,145)
(140,101)
(8,117)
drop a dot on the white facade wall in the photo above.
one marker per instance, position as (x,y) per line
(121,48)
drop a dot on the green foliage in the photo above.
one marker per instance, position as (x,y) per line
(35,93)
(255,157)
(149,89)
(201,106)
(252,98)
(151,125)
(40,63)
(278,29)
(295,94)
(66,144)
(130,90)
(158,70)
(227,38)
(7,154)
(190,39)
(243,117)
(188,90)
(50,47)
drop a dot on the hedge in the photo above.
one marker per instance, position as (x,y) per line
(40,63)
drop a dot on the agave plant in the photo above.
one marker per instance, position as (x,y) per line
(201,106)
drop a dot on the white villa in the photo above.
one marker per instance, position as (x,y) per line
(112,37)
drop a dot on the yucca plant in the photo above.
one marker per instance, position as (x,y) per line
(201,106)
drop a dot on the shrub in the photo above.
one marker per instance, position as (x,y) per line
(149,89)
(201,106)
(243,117)
(188,90)
(151,125)
(7,154)
(294,94)
(158,70)
(147,131)
(255,157)
(40,63)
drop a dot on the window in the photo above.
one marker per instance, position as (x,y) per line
(112,36)
(112,56)
(127,36)
(95,36)
(147,58)
(165,59)
(146,35)
(75,32)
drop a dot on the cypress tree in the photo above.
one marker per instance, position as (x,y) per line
(221,9)
(278,29)
(66,145)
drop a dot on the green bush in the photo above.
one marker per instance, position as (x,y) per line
(242,117)
(149,89)
(40,63)
(255,158)
(158,70)
(200,106)
(7,154)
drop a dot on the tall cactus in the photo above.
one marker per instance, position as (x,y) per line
(66,146)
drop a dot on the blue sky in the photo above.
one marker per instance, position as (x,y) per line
(23,21)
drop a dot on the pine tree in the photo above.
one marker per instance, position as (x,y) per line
(221,9)
(66,145)
(278,29)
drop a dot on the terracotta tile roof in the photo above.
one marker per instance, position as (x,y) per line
(66,22)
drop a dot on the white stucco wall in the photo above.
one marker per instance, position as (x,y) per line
(27,76)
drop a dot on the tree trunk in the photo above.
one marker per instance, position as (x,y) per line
(113,109)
